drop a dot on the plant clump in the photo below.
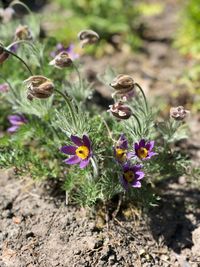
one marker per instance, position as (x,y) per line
(120,152)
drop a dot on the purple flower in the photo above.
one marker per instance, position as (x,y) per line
(70,50)
(16,121)
(81,153)
(132,175)
(120,149)
(13,48)
(143,149)
(4,88)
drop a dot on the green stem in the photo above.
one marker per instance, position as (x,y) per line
(68,104)
(19,58)
(21,42)
(79,76)
(21,4)
(143,94)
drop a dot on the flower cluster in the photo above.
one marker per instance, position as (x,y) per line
(81,153)
(131,173)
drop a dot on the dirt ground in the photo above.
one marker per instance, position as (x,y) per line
(37,229)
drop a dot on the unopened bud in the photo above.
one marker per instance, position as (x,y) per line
(178,113)
(23,33)
(88,37)
(39,87)
(123,82)
(120,111)
(62,60)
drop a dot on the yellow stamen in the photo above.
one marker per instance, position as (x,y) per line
(82,152)
(142,153)
(129,176)
(120,154)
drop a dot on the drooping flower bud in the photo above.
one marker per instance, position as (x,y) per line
(39,87)
(23,33)
(178,113)
(123,83)
(124,87)
(88,37)
(120,111)
(62,60)
(3,55)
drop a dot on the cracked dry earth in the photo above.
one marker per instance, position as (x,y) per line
(38,230)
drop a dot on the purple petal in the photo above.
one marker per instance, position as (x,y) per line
(84,163)
(151,154)
(73,160)
(12,129)
(142,143)
(126,166)
(59,46)
(140,175)
(136,184)
(150,145)
(130,155)
(4,87)
(16,119)
(70,150)
(123,142)
(76,140)
(136,146)
(136,168)
(86,141)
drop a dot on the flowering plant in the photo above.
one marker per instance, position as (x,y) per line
(113,153)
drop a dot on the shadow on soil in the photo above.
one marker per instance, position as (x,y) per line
(173,221)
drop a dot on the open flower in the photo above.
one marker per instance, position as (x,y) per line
(143,149)
(120,111)
(16,121)
(120,149)
(81,152)
(70,50)
(132,175)
(39,87)
(61,61)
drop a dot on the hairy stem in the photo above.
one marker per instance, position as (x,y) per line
(19,58)
(79,76)
(143,94)
(138,122)
(16,2)
(67,100)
